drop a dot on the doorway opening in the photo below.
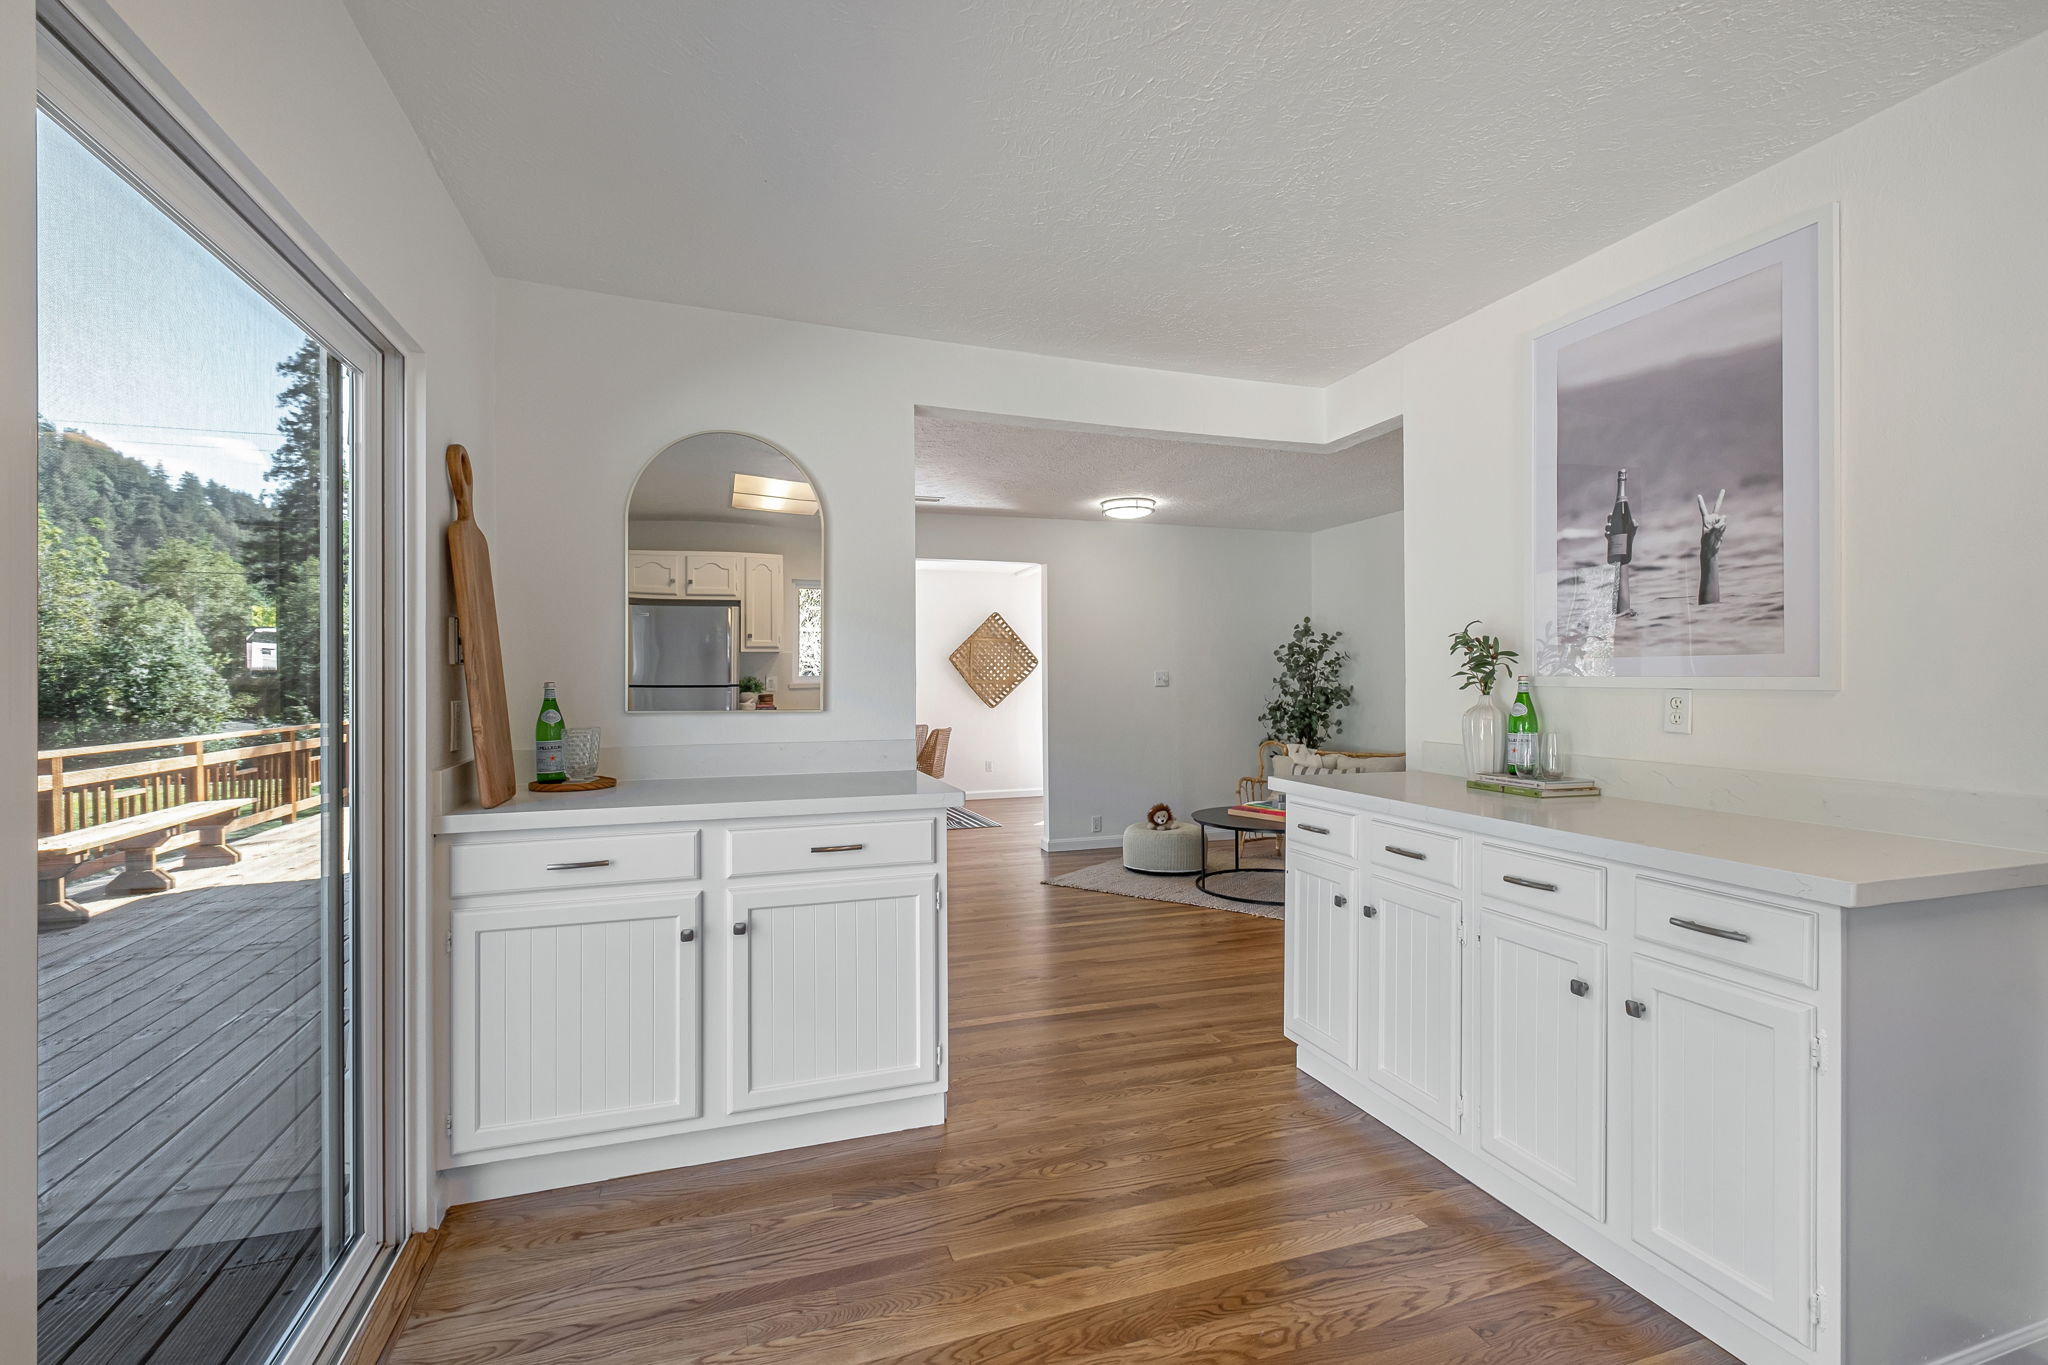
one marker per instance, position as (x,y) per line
(994,753)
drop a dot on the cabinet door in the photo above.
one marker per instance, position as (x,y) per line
(1724,1129)
(1542,1057)
(654,573)
(574,1016)
(834,989)
(761,602)
(711,575)
(1322,932)
(1411,1022)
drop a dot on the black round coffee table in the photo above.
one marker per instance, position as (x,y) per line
(1219,817)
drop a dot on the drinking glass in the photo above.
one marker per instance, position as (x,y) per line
(1552,757)
(580,753)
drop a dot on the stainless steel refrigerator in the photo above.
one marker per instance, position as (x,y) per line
(685,656)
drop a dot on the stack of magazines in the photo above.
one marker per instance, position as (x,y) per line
(1514,784)
(1273,809)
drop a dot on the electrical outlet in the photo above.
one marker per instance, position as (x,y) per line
(1162,679)
(458,725)
(1678,713)
(988,765)
(1095,824)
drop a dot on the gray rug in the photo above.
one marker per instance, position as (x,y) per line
(958,817)
(1114,878)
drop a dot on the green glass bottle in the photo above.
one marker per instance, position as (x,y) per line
(548,758)
(1522,730)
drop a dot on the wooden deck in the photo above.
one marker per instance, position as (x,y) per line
(179,1114)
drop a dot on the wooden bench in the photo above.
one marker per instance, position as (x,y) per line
(199,827)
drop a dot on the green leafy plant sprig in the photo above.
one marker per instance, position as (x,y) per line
(1307,694)
(1484,659)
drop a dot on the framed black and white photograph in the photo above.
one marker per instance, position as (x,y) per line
(1684,475)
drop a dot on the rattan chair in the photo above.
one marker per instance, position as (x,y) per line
(931,755)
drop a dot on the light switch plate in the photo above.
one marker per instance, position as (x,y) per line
(1677,713)
(1162,678)
(454,642)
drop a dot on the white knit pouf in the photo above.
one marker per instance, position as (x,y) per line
(1175,849)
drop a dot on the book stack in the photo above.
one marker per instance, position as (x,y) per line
(1513,784)
(1273,810)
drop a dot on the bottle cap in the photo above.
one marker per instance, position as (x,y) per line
(1519,677)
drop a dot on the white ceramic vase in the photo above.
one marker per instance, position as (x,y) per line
(1484,736)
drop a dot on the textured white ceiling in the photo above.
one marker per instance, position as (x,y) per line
(1236,187)
(992,468)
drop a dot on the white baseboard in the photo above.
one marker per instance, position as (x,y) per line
(1073,842)
(1999,1347)
(1006,795)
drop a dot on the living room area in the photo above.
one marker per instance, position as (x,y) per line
(1101,620)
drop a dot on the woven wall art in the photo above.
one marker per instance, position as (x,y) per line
(994,660)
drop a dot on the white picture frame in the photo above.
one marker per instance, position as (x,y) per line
(1671,376)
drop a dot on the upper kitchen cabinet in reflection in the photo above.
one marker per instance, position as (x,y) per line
(725,587)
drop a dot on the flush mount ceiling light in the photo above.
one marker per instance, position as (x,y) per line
(1128,509)
(752,493)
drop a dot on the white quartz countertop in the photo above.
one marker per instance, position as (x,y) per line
(1825,863)
(705,798)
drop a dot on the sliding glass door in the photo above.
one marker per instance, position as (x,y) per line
(207,432)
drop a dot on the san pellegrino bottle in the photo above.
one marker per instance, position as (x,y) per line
(1522,730)
(549,761)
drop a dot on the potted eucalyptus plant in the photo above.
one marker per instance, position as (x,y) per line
(1307,694)
(1482,662)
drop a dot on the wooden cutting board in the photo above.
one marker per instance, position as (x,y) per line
(483,661)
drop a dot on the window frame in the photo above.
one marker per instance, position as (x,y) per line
(796,678)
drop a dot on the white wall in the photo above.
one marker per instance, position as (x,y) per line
(592,387)
(999,750)
(17,672)
(1123,599)
(1355,586)
(1942,467)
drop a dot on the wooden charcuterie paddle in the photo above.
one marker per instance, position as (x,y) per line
(483,661)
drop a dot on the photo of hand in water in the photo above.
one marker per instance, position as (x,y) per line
(1677,452)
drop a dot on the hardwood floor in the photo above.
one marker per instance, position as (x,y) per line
(1131,1170)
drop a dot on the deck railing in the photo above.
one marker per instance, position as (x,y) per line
(276,769)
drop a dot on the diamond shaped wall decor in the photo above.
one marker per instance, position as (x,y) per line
(993,660)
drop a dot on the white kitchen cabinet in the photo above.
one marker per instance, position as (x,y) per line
(1410,1020)
(681,971)
(1326,919)
(761,610)
(834,989)
(1722,1079)
(654,573)
(1541,1056)
(1779,1022)
(713,573)
(574,1014)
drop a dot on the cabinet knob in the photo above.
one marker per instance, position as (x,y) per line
(1581,987)
(689,935)
(1368,910)
(1339,901)
(740,928)
(1636,1009)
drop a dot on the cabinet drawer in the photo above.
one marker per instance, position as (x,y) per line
(832,848)
(1325,831)
(1418,852)
(1771,939)
(1538,881)
(552,864)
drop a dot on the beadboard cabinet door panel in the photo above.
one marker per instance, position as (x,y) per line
(834,989)
(1541,1057)
(1412,1016)
(1324,924)
(1723,1101)
(573,1018)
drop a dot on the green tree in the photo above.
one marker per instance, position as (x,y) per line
(209,583)
(1307,695)
(298,644)
(288,532)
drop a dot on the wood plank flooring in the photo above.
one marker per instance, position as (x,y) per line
(178,1115)
(1131,1170)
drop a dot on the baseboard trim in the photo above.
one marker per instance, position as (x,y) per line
(1999,1347)
(1006,794)
(1074,843)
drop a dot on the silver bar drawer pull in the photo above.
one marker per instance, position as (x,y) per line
(1312,829)
(1714,929)
(571,867)
(837,848)
(1529,882)
(1400,852)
